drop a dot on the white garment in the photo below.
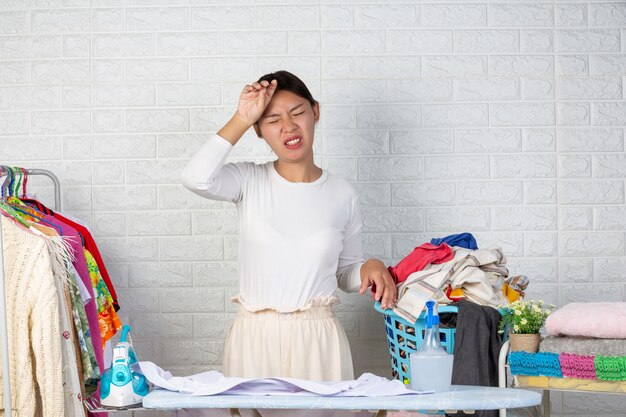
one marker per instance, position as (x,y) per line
(82,288)
(32,325)
(214,383)
(60,260)
(298,241)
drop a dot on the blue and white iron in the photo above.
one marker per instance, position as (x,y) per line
(123,385)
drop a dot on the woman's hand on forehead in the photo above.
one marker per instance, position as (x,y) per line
(254,99)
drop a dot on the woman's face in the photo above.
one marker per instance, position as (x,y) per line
(287,125)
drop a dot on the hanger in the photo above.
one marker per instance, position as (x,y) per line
(25,171)
(11,205)
(20,175)
(13,214)
(7,180)
(11,181)
(18,208)
(31,202)
(21,207)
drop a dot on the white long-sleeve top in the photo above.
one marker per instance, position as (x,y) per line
(298,241)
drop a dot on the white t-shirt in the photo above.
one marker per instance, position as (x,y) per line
(298,241)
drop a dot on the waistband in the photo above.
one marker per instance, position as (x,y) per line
(319,308)
(317,302)
(313,313)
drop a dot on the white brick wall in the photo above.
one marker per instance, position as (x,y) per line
(498,117)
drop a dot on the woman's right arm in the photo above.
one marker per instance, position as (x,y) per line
(207,174)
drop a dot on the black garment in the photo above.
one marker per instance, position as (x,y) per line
(448,320)
(476,349)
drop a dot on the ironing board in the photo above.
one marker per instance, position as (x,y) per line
(464,398)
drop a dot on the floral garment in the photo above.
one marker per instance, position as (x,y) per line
(87,354)
(107,317)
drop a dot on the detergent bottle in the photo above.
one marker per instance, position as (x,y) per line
(431,366)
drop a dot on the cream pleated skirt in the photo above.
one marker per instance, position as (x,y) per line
(309,344)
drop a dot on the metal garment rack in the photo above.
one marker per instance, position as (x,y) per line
(6,371)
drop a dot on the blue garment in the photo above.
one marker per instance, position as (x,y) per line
(463,240)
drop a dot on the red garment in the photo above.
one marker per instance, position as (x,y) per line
(89,244)
(420,258)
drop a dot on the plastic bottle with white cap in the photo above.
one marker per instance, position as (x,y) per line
(431,366)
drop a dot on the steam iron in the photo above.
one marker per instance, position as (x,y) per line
(123,385)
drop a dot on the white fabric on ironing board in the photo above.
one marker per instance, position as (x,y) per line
(214,383)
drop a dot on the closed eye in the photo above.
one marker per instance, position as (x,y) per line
(295,114)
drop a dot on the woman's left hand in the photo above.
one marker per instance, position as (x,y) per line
(374,272)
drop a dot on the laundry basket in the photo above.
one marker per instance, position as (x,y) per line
(404,338)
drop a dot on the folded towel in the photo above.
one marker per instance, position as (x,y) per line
(611,368)
(535,364)
(577,366)
(586,346)
(602,320)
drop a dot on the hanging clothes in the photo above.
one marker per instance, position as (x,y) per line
(33,324)
(107,317)
(89,363)
(95,327)
(73,285)
(61,258)
(81,304)
(73,388)
(73,238)
(76,350)
(89,242)
(60,255)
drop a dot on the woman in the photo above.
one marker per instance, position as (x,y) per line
(300,238)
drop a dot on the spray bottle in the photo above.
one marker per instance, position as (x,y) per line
(431,366)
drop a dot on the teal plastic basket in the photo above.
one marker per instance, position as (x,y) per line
(404,338)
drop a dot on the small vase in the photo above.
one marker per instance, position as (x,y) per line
(525,342)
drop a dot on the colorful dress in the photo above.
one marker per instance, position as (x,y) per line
(107,317)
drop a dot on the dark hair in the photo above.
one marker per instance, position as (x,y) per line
(288,81)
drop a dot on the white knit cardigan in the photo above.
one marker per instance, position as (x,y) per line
(33,325)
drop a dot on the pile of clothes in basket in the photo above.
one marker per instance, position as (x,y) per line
(449,269)
(453,270)
(585,349)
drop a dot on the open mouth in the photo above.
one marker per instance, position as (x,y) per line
(293,142)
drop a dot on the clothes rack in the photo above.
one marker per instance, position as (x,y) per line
(8,412)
